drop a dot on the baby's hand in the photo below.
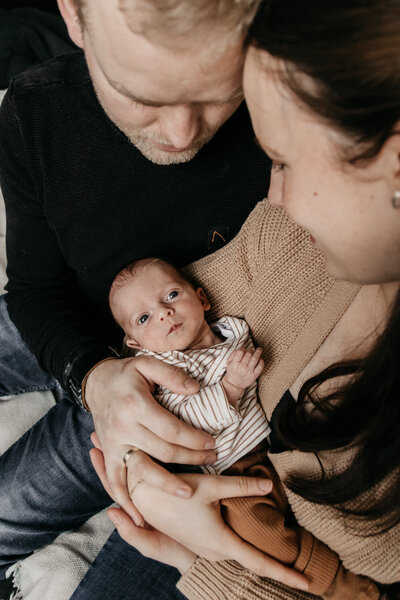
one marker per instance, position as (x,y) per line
(243,368)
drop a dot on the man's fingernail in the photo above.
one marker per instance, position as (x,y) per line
(210,460)
(183,493)
(191,385)
(209,445)
(265,485)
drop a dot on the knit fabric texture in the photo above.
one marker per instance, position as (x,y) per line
(273,276)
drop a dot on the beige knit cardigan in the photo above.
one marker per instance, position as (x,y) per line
(274,277)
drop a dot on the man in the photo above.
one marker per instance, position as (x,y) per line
(144,149)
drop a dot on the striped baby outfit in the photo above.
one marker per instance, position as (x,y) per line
(236,431)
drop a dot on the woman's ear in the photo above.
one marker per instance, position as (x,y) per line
(70,15)
(392,148)
(203,298)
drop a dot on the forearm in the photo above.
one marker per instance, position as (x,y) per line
(58,328)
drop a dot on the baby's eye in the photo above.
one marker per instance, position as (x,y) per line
(142,319)
(172,295)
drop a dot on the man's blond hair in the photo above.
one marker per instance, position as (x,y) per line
(173,20)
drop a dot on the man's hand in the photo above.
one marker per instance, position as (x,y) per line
(243,368)
(125,414)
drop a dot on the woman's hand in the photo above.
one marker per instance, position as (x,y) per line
(125,414)
(196,523)
(152,543)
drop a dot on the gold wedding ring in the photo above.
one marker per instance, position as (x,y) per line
(139,481)
(128,454)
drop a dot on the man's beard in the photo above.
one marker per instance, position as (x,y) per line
(145,143)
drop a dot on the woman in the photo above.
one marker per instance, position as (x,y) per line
(322,81)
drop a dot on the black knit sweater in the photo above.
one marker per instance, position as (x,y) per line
(82,201)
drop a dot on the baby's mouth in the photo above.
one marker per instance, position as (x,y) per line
(174,327)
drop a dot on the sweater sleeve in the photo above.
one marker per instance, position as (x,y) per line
(42,297)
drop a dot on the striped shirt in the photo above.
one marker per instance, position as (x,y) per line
(236,431)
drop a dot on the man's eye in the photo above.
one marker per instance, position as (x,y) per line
(172,295)
(142,319)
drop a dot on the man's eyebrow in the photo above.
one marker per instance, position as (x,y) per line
(238,93)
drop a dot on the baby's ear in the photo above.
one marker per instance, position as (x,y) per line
(131,343)
(203,298)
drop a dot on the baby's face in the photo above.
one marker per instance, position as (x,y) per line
(159,310)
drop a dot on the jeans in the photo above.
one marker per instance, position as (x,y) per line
(48,484)
(19,370)
(121,573)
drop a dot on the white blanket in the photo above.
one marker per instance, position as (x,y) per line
(53,572)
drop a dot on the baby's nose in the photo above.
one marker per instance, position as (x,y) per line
(165,312)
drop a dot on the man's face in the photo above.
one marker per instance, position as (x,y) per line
(168,102)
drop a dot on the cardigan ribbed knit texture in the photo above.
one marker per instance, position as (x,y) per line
(273,276)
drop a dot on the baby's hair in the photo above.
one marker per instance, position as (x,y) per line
(136,266)
(133,268)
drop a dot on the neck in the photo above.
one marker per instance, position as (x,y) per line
(205,338)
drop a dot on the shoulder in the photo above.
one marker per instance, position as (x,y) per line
(50,89)
(62,70)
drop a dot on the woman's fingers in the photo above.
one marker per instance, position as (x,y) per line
(152,543)
(141,467)
(261,564)
(223,486)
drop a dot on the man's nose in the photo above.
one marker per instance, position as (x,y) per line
(181,124)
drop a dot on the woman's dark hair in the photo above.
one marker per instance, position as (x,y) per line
(351,51)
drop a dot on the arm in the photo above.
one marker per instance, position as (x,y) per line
(56,322)
(214,407)
(58,327)
(266,523)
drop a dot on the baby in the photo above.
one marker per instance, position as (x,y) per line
(163,316)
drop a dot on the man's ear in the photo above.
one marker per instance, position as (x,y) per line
(69,13)
(131,343)
(203,298)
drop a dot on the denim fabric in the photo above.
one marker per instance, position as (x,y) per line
(48,484)
(19,370)
(121,573)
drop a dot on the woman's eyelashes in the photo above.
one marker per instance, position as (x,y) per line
(277,166)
